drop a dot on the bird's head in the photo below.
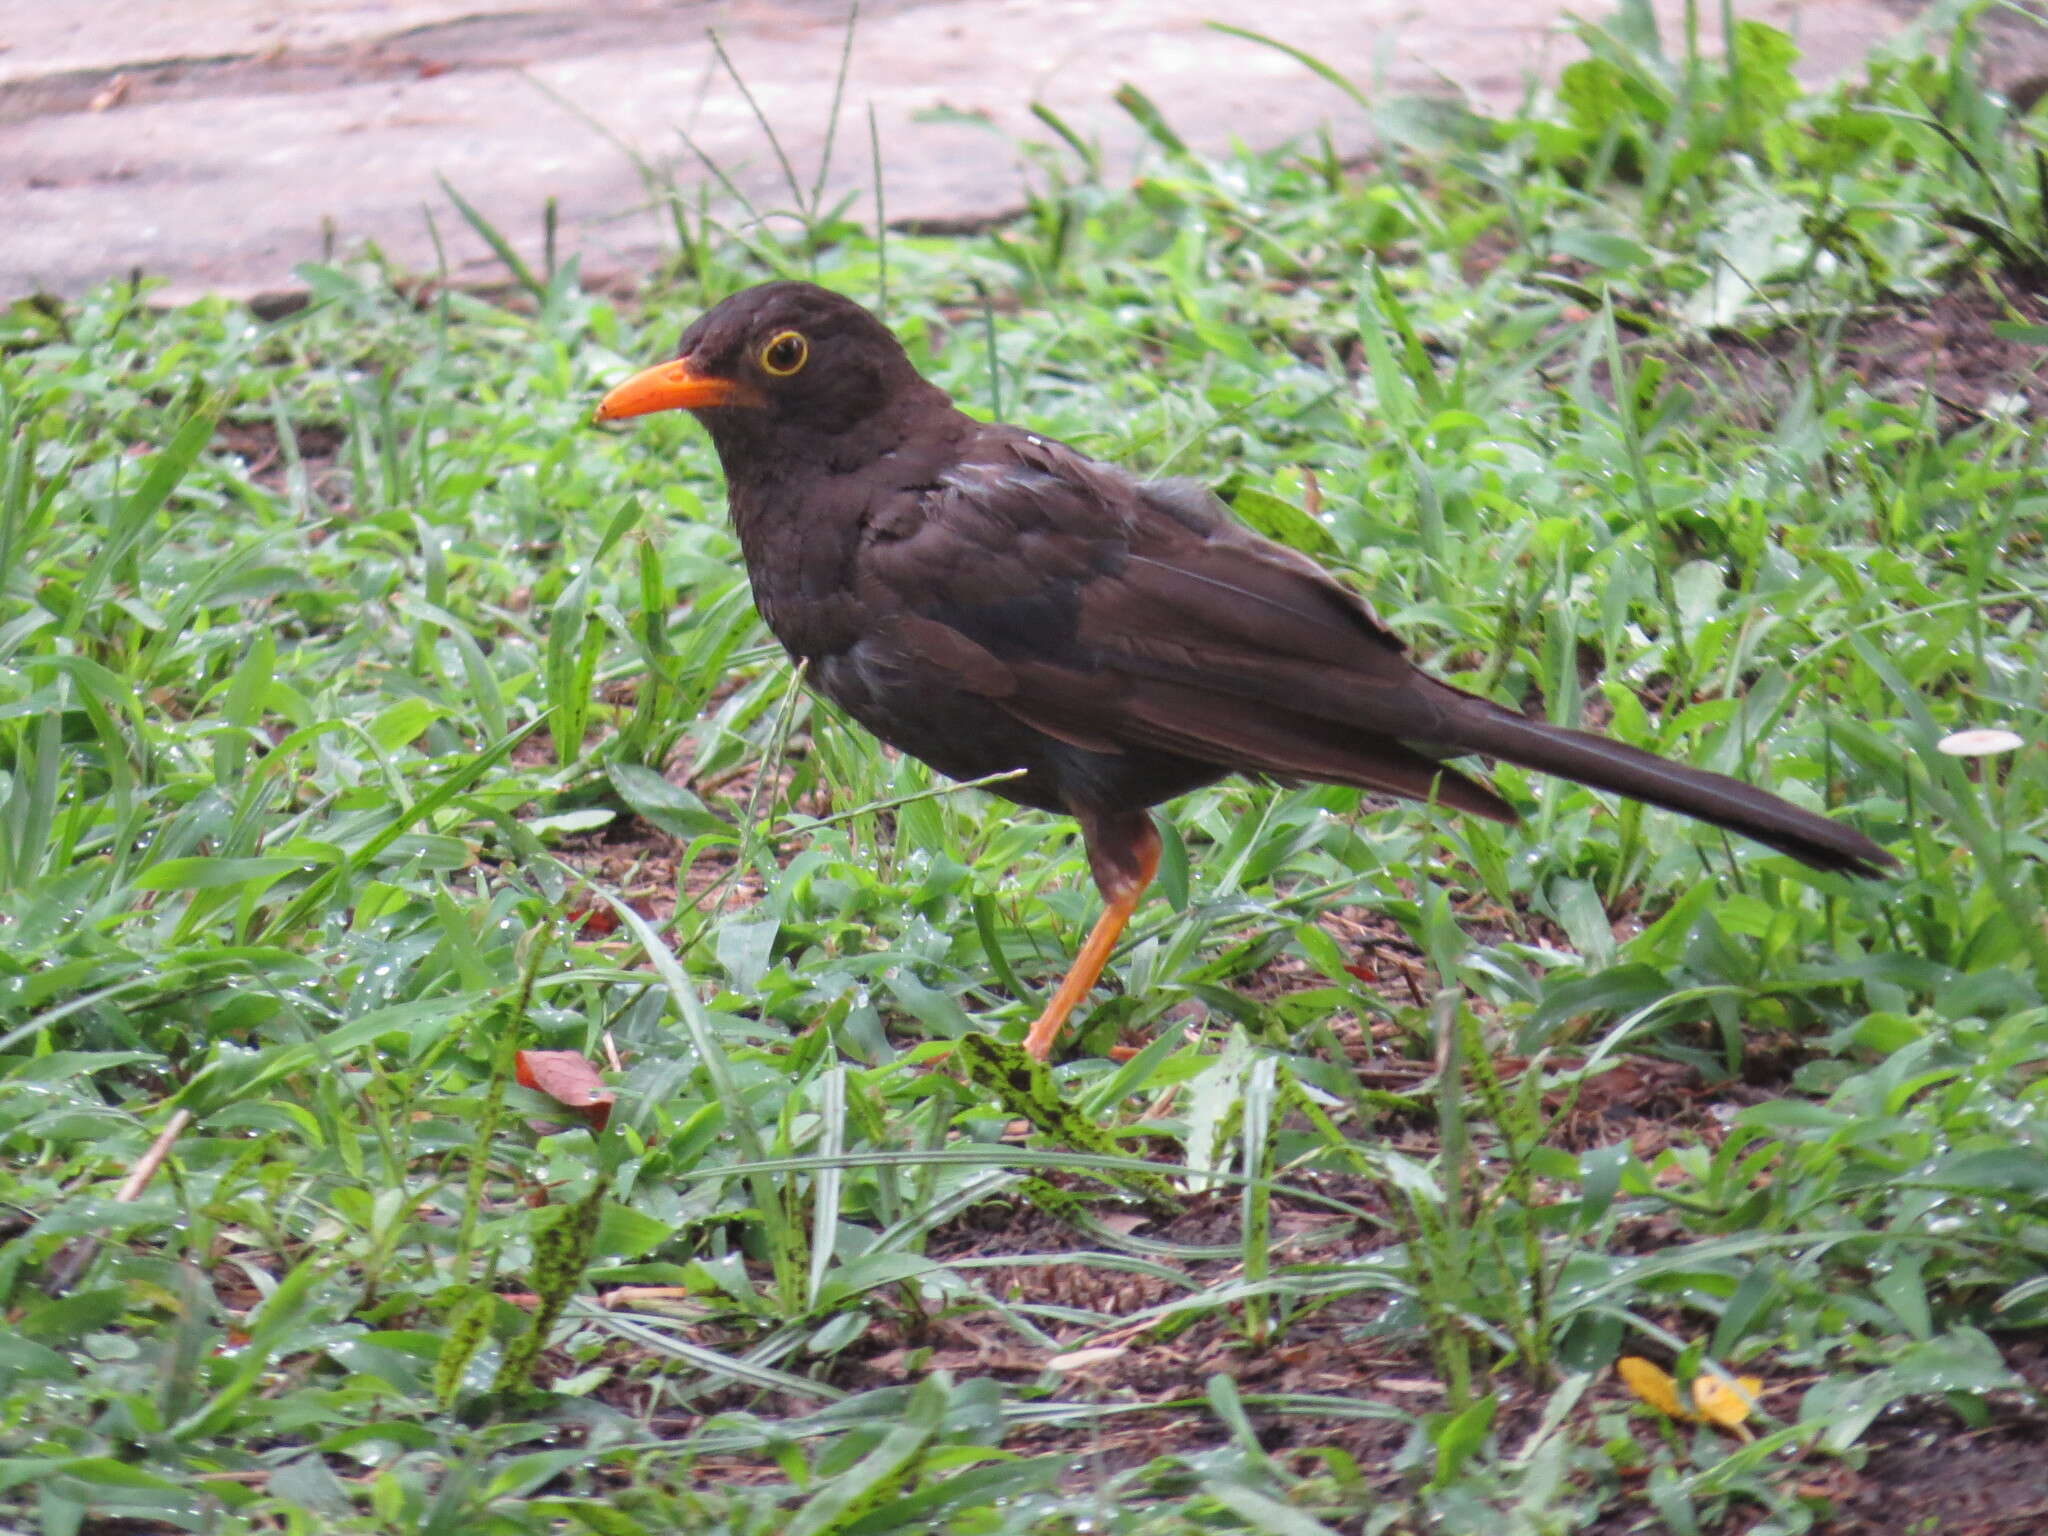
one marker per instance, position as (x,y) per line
(781,360)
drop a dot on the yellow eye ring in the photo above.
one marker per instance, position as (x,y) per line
(785,353)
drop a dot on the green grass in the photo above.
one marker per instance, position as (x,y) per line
(363,710)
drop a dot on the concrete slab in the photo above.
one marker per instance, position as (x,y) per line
(43,39)
(218,143)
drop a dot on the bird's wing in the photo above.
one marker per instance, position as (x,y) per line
(1110,613)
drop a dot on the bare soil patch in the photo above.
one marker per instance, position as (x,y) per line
(1948,346)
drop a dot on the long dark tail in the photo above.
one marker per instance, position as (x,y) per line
(1711,797)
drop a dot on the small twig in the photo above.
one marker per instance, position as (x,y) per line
(138,1179)
(1311,492)
(72,1261)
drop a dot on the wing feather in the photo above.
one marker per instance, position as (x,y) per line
(1111,614)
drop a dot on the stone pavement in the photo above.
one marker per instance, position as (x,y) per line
(218,143)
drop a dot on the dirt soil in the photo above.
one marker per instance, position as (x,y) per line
(1943,349)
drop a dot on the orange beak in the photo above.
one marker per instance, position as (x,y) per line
(674,387)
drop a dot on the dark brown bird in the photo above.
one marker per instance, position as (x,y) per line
(989,600)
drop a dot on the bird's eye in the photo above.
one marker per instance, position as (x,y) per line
(785,353)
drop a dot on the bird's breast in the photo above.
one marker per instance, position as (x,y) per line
(802,545)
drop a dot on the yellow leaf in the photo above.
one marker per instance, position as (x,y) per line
(1726,1403)
(1652,1384)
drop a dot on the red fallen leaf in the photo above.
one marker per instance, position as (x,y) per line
(594,919)
(570,1081)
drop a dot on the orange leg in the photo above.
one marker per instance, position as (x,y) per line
(1124,887)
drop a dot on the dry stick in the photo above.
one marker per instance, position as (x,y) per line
(132,1187)
(71,1263)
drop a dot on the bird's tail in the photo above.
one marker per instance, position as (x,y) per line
(1711,797)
